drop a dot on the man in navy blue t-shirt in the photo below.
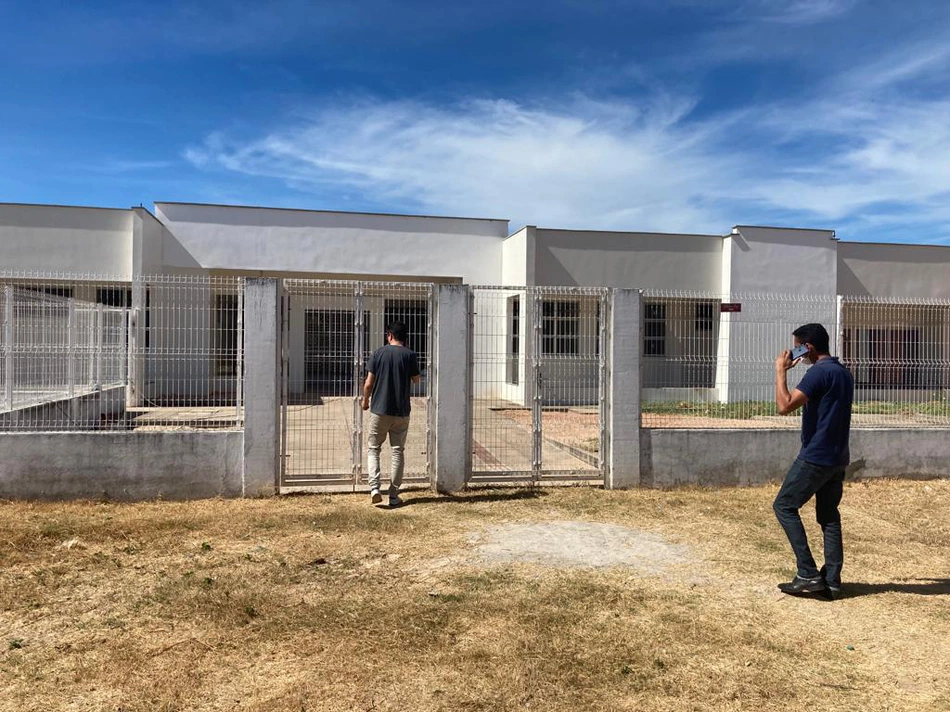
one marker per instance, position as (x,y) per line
(826,392)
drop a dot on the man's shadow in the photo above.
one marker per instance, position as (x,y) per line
(470,497)
(917,587)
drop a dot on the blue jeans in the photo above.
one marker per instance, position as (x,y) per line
(804,481)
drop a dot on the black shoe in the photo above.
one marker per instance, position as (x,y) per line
(799,585)
(832,593)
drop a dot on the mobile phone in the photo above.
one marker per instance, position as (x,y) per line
(797,352)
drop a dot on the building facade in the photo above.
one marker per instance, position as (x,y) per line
(704,332)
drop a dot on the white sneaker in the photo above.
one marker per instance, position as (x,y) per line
(375,496)
(394,501)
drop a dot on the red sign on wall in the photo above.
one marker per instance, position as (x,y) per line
(730,307)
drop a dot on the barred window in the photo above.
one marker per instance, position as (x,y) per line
(514,339)
(654,329)
(560,327)
(225,334)
(704,316)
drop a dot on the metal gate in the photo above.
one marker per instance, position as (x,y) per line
(329,330)
(538,382)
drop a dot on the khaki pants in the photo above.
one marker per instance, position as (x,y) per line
(379,428)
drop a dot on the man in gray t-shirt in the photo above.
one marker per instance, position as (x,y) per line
(392,369)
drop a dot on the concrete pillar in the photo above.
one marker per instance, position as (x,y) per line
(452,394)
(135,390)
(623,391)
(262,320)
(723,355)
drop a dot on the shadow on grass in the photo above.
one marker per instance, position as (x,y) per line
(919,587)
(513,495)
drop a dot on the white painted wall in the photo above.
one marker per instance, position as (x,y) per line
(883,270)
(628,260)
(155,248)
(781,261)
(770,260)
(52,238)
(357,244)
(518,258)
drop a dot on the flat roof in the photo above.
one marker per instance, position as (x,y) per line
(334,212)
(632,232)
(55,205)
(785,227)
(893,244)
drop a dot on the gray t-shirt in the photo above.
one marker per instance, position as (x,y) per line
(394,368)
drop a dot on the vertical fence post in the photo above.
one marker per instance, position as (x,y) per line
(452,389)
(283,346)
(535,379)
(356,434)
(603,382)
(429,376)
(122,318)
(71,348)
(135,344)
(262,387)
(8,374)
(89,347)
(98,359)
(624,390)
(839,327)
(239,356)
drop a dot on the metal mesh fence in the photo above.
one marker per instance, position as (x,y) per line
(330,331)
(708,361)
(899,354)
(55,347)
(87,353)
(538,374)
(166,352)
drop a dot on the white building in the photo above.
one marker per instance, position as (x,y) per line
(690,341)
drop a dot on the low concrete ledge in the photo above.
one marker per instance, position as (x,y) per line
(719,457)
(84,411)
(121,465)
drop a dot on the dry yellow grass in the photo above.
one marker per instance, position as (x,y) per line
(326,603)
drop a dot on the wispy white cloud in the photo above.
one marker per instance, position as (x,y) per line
(856,155)
(586,163)
(797,12)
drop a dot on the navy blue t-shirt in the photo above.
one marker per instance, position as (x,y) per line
(394,368)
(826,418)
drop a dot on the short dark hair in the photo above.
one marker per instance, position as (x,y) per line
(398,330)
(814,334)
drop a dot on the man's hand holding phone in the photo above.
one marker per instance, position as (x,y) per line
(798,353)
(789,358)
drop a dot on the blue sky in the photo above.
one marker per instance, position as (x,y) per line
(666,115)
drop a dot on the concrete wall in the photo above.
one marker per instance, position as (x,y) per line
(124,466)
(345,244)
(52,238)
(781,261)
(518,258)
(717,457)
(156,250)
(80,412)
(774,261)
(879,270)
(628,260)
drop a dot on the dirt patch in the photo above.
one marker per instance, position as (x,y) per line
(578,544)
